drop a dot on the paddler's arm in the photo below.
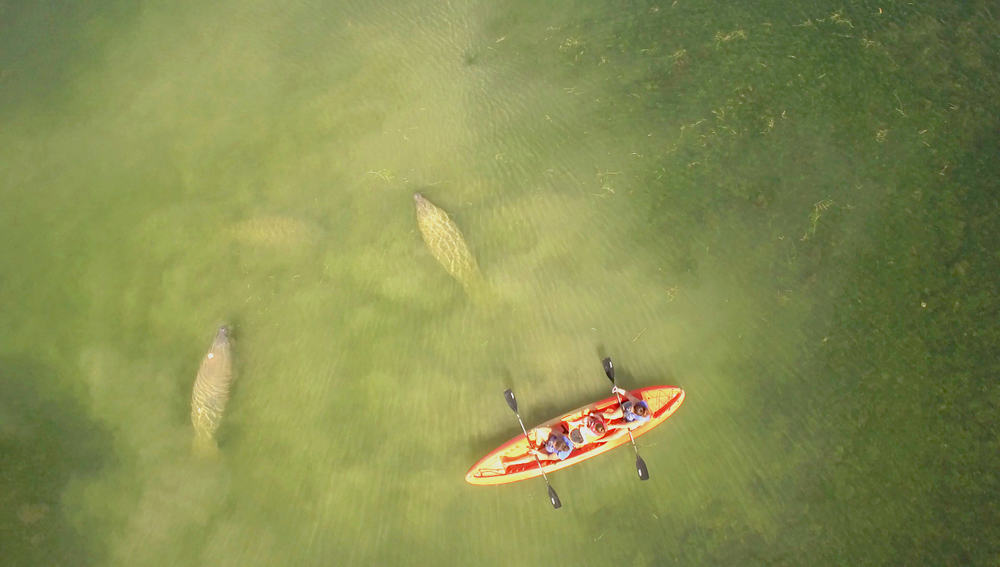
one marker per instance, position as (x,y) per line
(538,433)
(625,393)
(613,433)
(543,456)
(533,448)
(612,414)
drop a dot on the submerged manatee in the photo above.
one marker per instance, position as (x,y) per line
(446,243)
(211,391)
(274,231)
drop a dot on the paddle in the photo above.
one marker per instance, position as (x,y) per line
(512,402)
(640,465)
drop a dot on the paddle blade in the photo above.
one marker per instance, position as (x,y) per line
(609,369)
(554,498)
(511,400)
(640,467)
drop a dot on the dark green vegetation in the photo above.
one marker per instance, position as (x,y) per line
(885,125)
(48,442)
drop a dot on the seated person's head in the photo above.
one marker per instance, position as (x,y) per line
(640,409)
(556,444)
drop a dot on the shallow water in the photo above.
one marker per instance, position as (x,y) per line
(787,209)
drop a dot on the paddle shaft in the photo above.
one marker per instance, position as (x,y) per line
(537,460)
(512,402)
(627,428)
(640,465)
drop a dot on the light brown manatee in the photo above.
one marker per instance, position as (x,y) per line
(211,392)
(446,244)
(272,231)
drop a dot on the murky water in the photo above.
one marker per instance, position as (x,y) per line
(786,209)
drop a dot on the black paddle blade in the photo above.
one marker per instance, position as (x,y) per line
(640,467)
(554,498)
(511,400)
(609,369)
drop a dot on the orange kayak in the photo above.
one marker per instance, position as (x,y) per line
(663,401)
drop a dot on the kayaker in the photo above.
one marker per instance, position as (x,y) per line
(594,428)
(557,447)
(587,429)
(635,411)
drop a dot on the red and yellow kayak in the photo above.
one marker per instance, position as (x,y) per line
(663,401)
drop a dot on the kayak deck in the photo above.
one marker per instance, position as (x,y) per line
(663,401)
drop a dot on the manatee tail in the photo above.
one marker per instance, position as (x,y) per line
(204,447)
(481,295)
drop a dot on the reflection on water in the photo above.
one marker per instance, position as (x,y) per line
(785,212)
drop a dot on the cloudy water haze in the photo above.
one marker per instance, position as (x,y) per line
(788,209)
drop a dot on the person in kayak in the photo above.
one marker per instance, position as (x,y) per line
(586,430)
(557,447)
(634,411)
(594,428)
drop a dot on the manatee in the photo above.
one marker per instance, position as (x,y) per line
(211,392)
(446,244)
(274,231)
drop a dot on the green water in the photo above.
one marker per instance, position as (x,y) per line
(788,209)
